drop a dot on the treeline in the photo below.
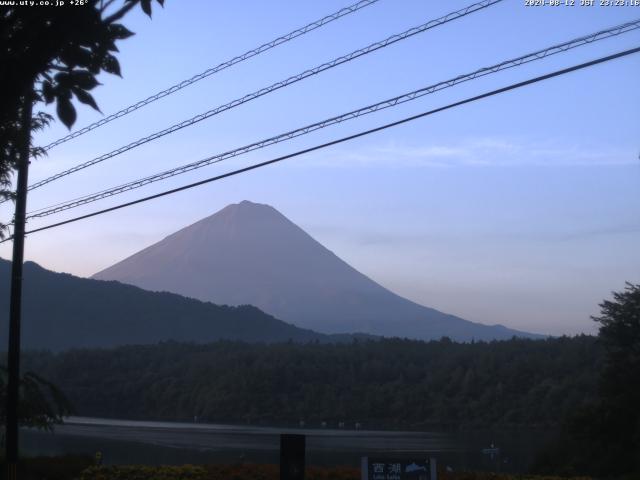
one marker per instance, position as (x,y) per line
(389,383)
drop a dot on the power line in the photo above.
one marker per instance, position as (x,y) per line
(514,86)
(537,55)
(218,68)
(276,86)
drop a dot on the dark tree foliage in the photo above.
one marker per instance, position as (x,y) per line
(388,383)
(52,55)
(617,417)
(42,404)
(603,438)
(620,334)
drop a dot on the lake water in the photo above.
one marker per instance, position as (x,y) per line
(129,442)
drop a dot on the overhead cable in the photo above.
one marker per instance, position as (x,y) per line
(276,86)
(391,102)
(213,70)
(514,86)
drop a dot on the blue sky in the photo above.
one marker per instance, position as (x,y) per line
(522,209)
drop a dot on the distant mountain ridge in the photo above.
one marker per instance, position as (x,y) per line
(250,253)
(61,311)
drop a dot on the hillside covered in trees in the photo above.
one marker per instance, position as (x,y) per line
(382,384)
(61,311)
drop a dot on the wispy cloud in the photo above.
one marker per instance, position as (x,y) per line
(625,229)
(403,238)
(489,152)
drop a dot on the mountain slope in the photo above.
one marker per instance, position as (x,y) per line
(61,311)
(250,253)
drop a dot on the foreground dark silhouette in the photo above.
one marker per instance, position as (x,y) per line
(51,55)
(603,437)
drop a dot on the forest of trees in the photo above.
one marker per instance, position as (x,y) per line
(584,388)
(381,384)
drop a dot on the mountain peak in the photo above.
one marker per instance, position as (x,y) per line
(248,205)
(245,211)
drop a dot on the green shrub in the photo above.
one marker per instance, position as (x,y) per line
(142,472)
(268,472)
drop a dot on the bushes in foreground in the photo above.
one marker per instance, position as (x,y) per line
(267,472)
(143,472)
(76,467)
(211,472)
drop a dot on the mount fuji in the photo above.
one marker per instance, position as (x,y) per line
(249,253)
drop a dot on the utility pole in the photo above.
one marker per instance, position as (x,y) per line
(15,307)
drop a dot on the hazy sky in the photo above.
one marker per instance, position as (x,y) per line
(522,209)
